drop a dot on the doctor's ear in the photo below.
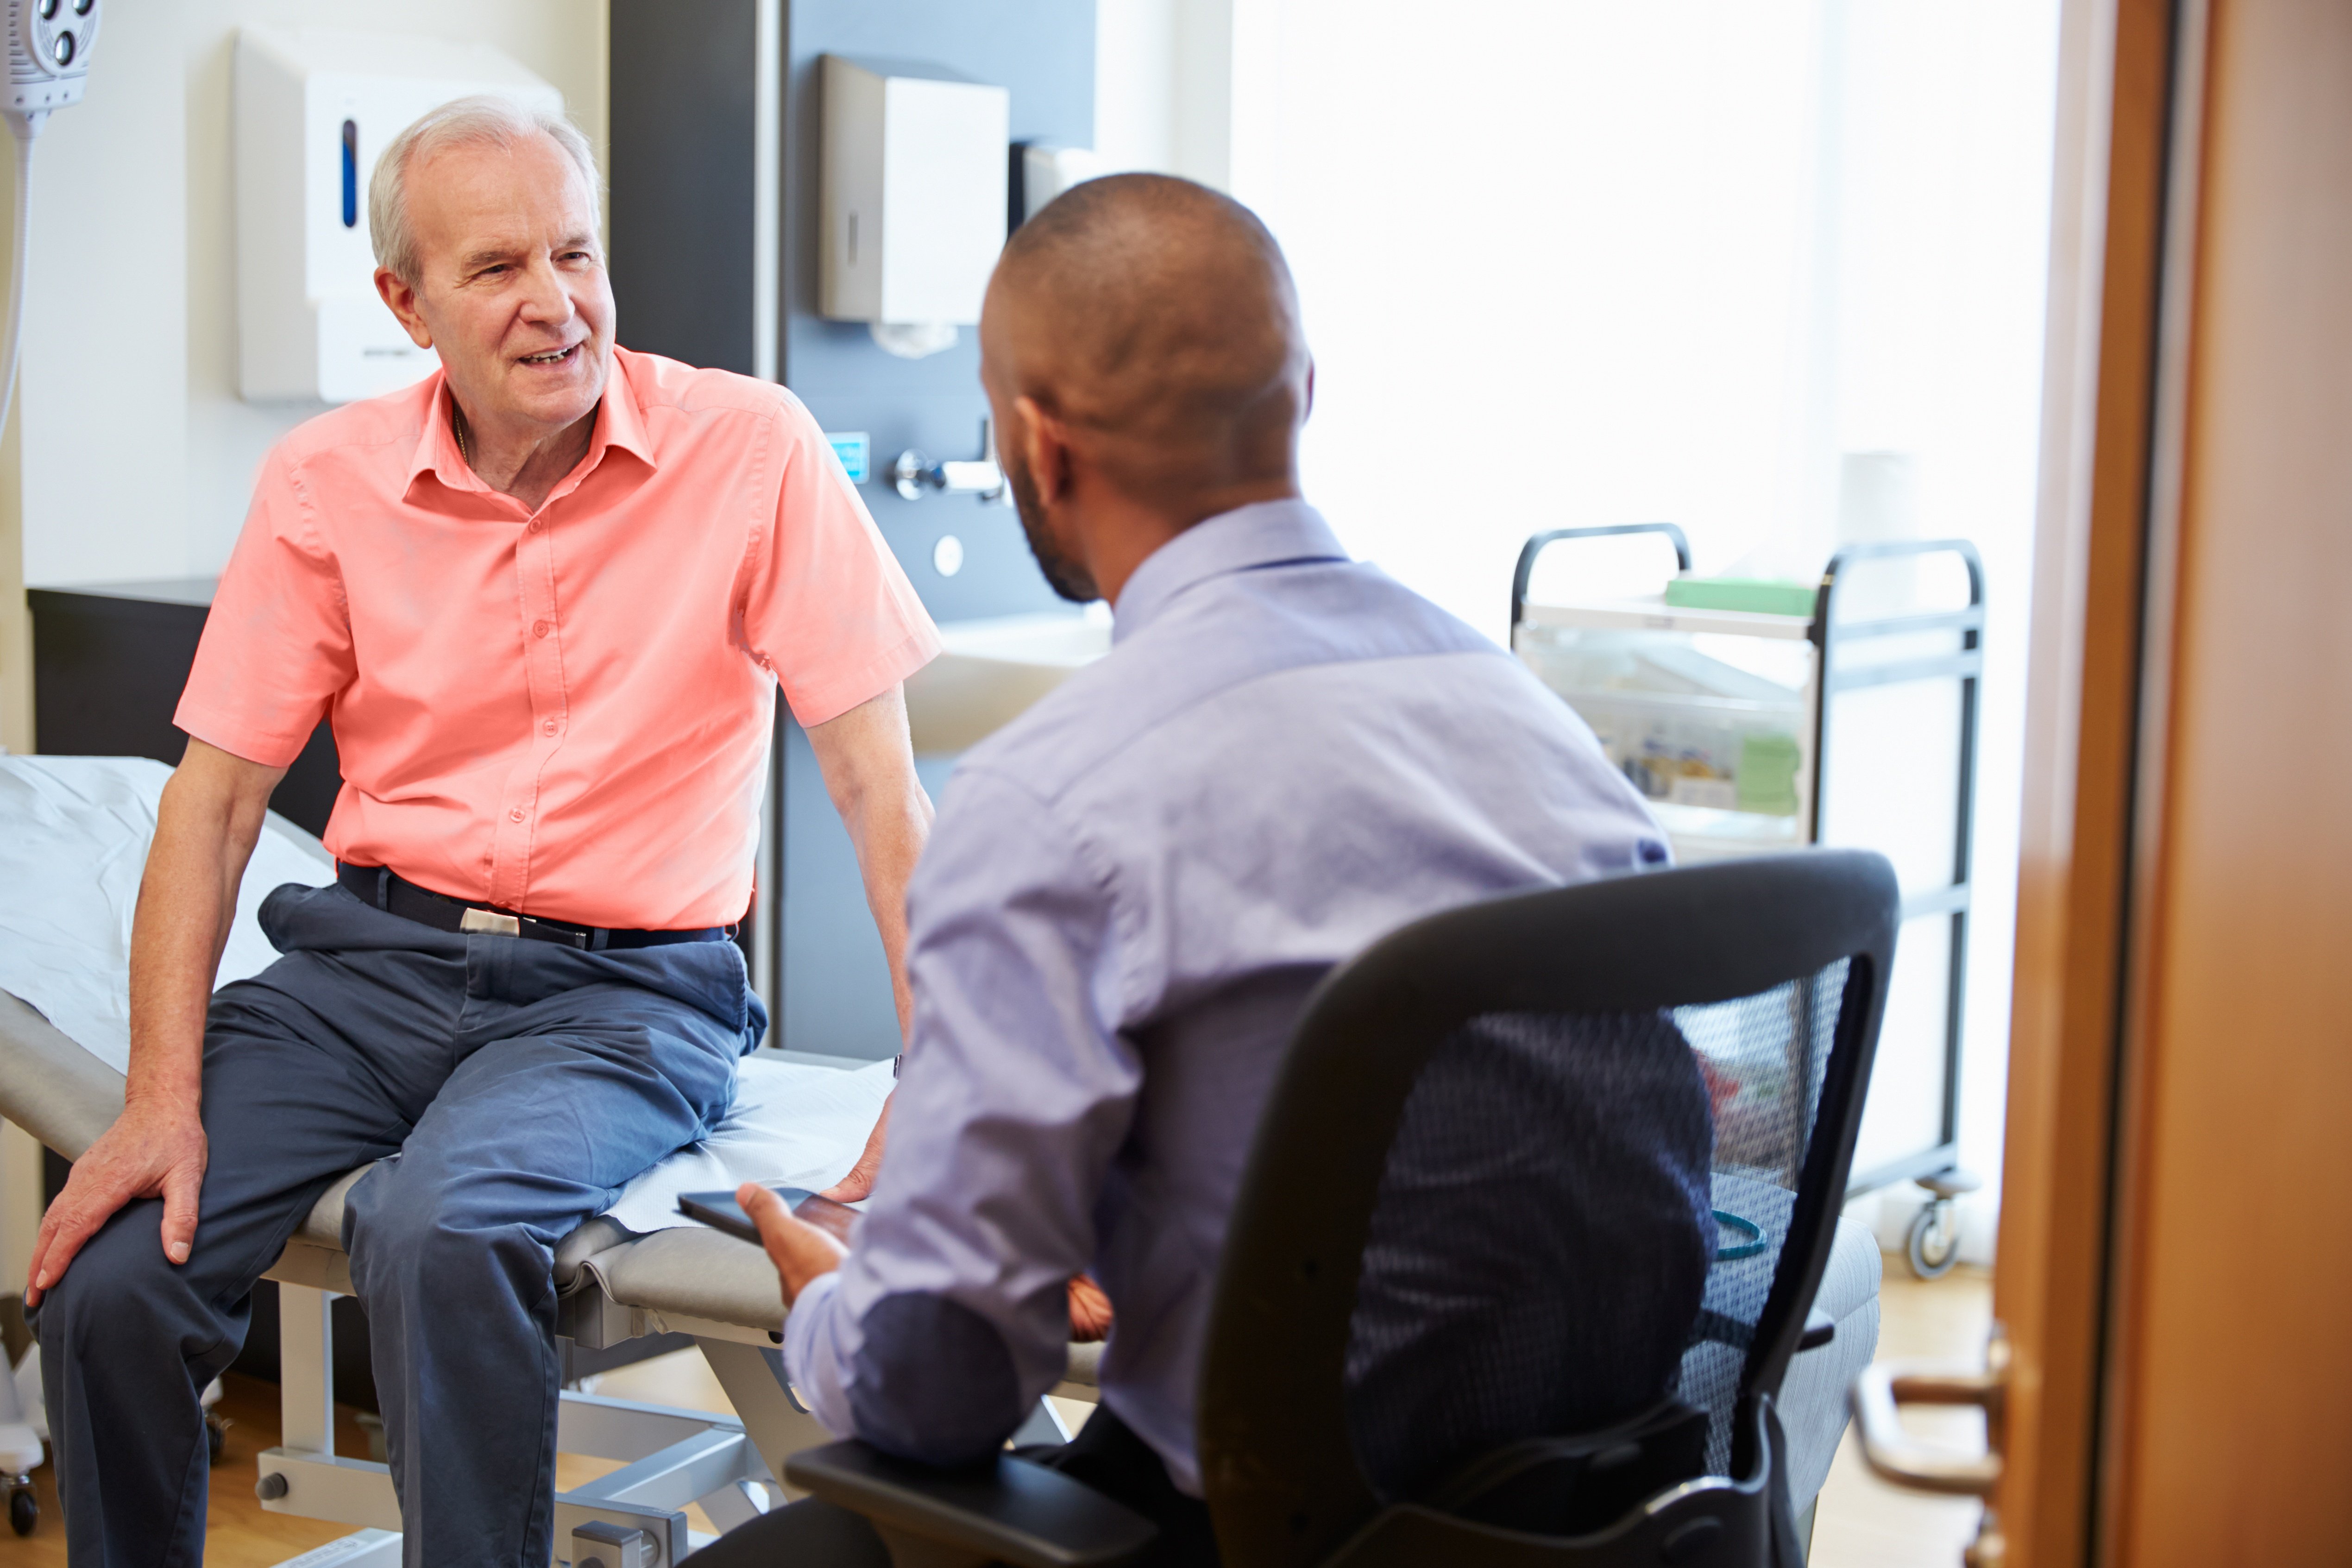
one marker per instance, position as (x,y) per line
(400,300)
(1045,449)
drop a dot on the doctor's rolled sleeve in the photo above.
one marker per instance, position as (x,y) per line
(950,1317)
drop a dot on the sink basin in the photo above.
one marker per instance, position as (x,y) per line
(990,670)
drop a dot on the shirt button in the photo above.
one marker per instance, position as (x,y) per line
(539,628)
(534,525)
(516,814)
(548,728)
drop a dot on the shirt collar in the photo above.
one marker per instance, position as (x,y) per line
(620,422)
(1264,533)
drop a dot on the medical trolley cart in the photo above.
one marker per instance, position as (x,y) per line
(1759,718)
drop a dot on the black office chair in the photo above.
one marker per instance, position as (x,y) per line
(1533,1225)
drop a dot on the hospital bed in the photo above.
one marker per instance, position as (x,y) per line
(73,837)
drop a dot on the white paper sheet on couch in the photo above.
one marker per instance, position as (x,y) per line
(792,1123)
(73,832)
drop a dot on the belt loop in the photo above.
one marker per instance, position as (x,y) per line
(384,889)
(599,939)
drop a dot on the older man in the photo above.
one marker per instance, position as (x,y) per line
(546,598)
(1133,887)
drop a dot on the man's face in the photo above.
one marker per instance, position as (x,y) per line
(511,286)
(1062,573)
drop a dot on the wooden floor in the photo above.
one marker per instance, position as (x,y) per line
(239,1534)
(1861,1522)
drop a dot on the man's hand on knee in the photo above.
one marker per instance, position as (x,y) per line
(151,1151)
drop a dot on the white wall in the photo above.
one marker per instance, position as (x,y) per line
(138,453)
(105,426)
(1163,87)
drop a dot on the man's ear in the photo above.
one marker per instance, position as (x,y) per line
(1047,447)
(401,299)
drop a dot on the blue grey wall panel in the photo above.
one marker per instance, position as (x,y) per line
(834,981)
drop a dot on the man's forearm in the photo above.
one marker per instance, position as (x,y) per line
(205,827)
(889,836)
(869,770)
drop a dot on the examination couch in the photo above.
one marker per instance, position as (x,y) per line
(73,834)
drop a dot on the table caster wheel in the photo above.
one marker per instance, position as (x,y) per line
(1934,1244)
(24,1509)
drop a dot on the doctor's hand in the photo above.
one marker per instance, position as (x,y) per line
(152,1149)
(799,1251)
(859,1183)
(1090,1315)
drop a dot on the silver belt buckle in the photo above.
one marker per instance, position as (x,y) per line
(489,920)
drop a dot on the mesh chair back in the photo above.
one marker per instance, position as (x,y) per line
(1764,1058)
(1531,1169)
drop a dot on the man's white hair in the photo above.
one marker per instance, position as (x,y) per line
(479,121)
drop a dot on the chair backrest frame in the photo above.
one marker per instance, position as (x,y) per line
(1278,1469)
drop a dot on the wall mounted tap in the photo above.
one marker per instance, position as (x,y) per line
(913,473)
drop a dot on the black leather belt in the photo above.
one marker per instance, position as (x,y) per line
(396,895)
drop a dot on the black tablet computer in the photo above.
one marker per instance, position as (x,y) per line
(721,1212)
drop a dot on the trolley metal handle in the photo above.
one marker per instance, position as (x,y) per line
(1881,550)
(1534,547)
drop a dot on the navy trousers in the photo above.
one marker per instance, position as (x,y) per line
(511,1088)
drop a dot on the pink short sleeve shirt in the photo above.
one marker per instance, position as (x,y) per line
(568,712)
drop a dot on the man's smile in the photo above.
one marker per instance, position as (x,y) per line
(551,356)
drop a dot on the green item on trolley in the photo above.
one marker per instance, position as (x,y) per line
(1753,595)
(1767,781)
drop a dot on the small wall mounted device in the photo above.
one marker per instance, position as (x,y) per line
(313,110)
(1044,171)
(49,45)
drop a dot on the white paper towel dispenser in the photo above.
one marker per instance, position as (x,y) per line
(913,194)
(313,110)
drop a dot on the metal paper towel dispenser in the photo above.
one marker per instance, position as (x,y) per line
(913,198)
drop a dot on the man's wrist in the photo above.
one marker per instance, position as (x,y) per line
(166,1099)
(806,1256)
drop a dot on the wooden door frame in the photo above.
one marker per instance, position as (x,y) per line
(2122,232)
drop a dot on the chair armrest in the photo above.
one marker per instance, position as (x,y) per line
(1820,1329)
(1014,1512)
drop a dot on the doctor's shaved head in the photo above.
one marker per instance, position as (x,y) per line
(1151,326)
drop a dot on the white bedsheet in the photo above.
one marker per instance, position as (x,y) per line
(793,1123)
(73,832)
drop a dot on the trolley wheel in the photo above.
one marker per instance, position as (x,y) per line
(1934,1243)
(24,1510)
(216,1438)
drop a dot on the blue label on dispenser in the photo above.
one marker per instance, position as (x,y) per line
(854,450)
